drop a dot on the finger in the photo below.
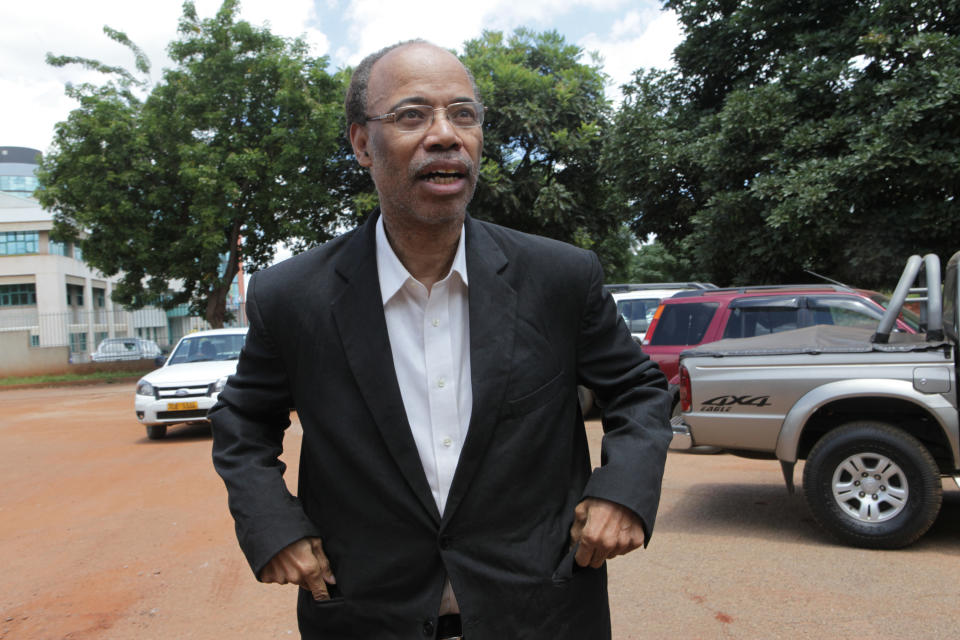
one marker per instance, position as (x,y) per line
(319,591)
(323,563)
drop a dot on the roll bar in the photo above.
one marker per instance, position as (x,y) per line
(934,298)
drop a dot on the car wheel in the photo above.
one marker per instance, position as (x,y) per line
(872,485)
(156,431)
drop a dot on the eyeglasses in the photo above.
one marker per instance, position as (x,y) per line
(417,117)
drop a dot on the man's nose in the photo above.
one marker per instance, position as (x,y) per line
(441,132)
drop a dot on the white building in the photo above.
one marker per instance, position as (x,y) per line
(48,291)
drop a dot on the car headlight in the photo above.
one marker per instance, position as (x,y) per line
(220,384)
(144,388)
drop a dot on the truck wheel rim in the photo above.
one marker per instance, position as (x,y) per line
(870,487)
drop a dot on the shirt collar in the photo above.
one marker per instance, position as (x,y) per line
(393,275)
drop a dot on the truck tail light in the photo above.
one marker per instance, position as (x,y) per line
(686,399)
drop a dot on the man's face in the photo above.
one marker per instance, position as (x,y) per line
(425,176)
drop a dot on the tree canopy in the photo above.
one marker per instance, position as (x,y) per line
(227,156)
(791,135)
(797,134)
(547,115)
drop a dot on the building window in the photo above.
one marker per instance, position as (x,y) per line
(57,248)
(78,342)
(18,295)
(20,185)
(77,252)
(99,337)
(14,243)
(34,341)
(74,295)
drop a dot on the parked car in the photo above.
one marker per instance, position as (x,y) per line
(872,411)
(114,349)
(186,387)
(691,318)
(638,302)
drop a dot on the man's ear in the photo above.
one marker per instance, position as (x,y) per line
(360,139)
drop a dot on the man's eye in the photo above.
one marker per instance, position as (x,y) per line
(410,114)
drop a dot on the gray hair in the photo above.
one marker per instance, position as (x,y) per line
(355,104)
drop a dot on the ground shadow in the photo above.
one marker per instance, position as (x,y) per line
(769,512)
(182,433)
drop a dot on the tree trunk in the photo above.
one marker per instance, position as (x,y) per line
(216,311)
(217,306)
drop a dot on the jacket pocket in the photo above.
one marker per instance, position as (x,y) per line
(568,566)
(536,398)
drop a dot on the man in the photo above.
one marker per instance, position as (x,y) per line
(445,484)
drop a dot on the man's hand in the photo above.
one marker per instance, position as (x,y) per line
(604,530)
(303,563)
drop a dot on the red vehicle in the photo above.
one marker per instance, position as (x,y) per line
(691,318)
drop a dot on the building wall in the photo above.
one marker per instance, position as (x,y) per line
(20,359)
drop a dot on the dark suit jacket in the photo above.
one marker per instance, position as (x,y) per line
(540,323)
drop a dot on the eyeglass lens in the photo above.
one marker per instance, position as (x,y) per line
(459,114)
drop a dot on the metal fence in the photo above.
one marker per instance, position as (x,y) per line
(82,330)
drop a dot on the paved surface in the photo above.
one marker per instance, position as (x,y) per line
(105,534)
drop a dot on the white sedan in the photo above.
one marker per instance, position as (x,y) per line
(186,387)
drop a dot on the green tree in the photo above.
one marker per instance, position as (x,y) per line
(546,119)
(798,134)
(229,154)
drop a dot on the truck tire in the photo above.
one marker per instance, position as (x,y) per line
(156,431)
(872,485)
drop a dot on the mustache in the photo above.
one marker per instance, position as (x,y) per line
(467,166)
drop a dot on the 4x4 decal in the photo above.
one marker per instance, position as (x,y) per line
(722,404)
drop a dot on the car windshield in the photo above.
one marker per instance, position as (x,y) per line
(911,319)
(210,347)
(638,312)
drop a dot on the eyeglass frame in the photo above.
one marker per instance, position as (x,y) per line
(384,117)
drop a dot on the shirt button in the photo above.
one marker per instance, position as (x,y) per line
(435,322)
(428,628)
(441,383)
(447,442)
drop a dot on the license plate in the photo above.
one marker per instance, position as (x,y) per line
(181,406)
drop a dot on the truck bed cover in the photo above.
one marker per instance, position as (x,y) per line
(814,340)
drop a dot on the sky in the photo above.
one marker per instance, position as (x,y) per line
(628,35)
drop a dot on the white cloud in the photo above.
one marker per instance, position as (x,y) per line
(379,23)
(641,39)
(32,90)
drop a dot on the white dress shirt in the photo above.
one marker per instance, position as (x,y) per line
(430,339)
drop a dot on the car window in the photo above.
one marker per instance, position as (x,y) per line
(637,312)
(747,322)
(843,311)
(683,324)
(907,316)
(207,348)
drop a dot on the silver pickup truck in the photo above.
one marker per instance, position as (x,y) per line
(873,413)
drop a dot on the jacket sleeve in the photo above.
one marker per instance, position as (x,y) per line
(249,421)
(635,403)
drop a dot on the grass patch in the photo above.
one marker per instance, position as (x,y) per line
(70,378)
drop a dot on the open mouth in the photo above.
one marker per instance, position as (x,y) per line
(442,177)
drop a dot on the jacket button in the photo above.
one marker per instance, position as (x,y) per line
(428,628)
(445,542)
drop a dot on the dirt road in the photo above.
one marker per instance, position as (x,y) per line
(104,534)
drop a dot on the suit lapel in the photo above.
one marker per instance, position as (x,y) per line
(358,312)
(493,317)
